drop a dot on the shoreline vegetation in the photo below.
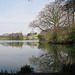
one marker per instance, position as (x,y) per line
(22,70)
(62,36)
(69,68)
(19,36)
(57,23)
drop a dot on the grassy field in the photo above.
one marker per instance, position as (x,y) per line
(31,37)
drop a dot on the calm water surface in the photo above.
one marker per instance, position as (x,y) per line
(43,58)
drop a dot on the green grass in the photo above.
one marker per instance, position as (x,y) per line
(31,37)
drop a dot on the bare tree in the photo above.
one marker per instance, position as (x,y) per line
(50,17)
(69,6)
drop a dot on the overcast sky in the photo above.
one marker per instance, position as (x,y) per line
(15,15)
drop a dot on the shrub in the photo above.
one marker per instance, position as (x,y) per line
(71,36)
(41,37)
(68,68)
(25,69)
(53,37)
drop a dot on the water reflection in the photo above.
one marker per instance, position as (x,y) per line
(19,44)
(54,57)
(43,58)
(13,44)
(15,54)
(32,44)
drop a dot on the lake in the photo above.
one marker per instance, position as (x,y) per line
(15,54)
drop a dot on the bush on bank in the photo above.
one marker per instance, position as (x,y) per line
(61,36)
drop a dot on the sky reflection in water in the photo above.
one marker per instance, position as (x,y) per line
(43,58)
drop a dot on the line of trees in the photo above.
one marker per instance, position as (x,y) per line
(16,36)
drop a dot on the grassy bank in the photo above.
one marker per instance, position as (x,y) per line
(31,37)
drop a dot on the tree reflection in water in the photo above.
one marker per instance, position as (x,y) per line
(54,58)
(32,44)
(13,44)
(20,44)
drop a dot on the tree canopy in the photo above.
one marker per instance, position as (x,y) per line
(50,17)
